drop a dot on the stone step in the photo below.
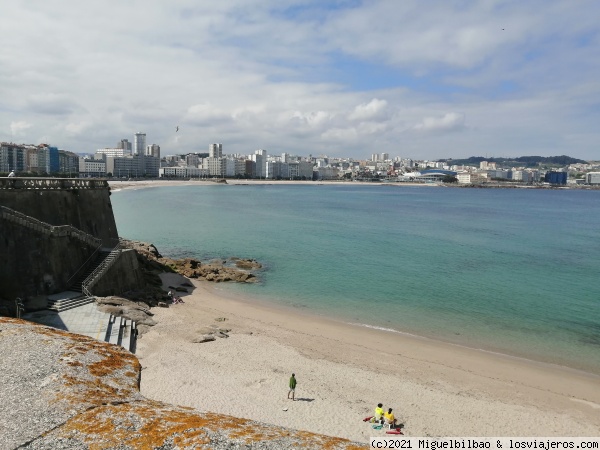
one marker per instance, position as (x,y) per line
(68,304)
(66,300)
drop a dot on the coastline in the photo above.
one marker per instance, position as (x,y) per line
(343,370)
(126,184)
(117,185)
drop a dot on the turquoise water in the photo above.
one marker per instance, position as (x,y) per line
(508,270)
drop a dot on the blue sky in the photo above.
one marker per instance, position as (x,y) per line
(421,79)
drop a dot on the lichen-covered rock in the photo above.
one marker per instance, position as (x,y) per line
(68,391)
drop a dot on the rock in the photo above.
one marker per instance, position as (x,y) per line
(122,307)
(220,319)
(120,301)
(249,264)
(204,338)
(206,330)
(216,271)
(222,335)
(163,305)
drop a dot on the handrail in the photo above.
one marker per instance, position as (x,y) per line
(93,255)
(93,278)
(52,183)
(55,230)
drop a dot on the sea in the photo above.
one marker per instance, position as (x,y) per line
(513,271)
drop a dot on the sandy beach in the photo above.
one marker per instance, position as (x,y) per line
(117,185)
(343,371)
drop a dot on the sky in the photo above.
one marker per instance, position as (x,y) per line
(421,79)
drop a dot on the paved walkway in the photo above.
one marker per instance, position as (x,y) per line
(85,319)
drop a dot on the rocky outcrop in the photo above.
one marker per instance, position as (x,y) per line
(68,391)
(235,269)
(137,311)
(215,271)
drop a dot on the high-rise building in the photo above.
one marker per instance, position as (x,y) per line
(139,143)
(215,151)
(153,150)
(125,145)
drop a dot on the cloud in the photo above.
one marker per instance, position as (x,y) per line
(305,74)
(17,128)
(448,122)
(375,109)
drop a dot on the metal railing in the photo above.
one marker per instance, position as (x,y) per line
(51,183)
(19,306)
(84,265)
(43,227)
(94,277)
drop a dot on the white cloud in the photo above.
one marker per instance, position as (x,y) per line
(375,109)
(448,122)
(304,74)
(17,128)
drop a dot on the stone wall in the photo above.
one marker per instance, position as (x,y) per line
(124,275)
(34,264)
(89,209)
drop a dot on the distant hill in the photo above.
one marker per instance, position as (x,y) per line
(526,161)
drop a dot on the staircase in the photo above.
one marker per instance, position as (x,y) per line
(78,283)
(67,300)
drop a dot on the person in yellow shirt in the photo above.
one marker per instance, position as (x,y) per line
(378,417)
(389,418)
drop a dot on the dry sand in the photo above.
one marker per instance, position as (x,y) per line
(141,184)
(343,371)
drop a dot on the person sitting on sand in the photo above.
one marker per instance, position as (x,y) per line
(389,418)
(378,417)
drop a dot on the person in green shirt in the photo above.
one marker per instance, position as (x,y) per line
(292,386)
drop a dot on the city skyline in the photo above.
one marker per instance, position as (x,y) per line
(343,78)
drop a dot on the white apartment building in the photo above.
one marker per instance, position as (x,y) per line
(260,159)
(301,169)
(89,167)
(592,178)
(472,178)
(215,166)
(182,172)
(234,167)
(487,165)
(276,169)
(115,152)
